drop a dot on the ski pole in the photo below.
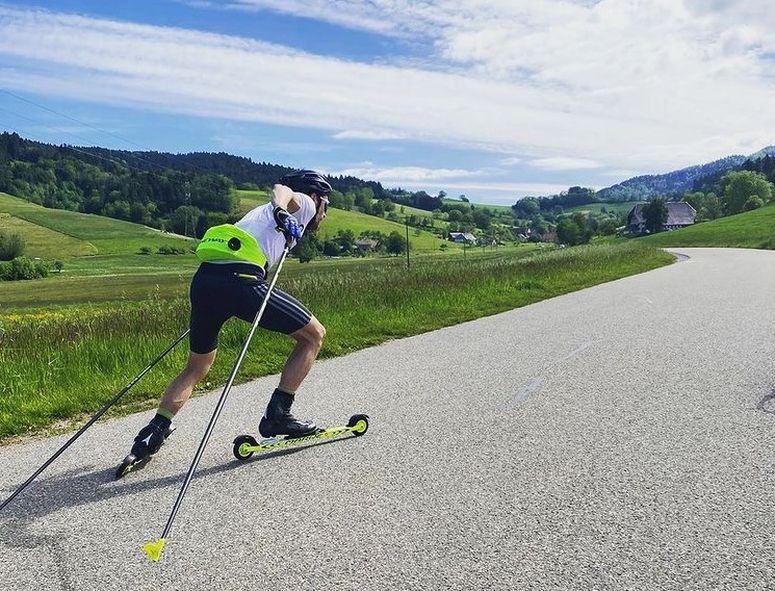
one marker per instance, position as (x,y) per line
(94,419)
(154,549)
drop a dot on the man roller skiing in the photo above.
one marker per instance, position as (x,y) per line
(231,281)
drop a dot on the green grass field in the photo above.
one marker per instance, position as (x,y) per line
(752,229)
(250,199)
(120,279)
(106,235)
(494,208)
(617,208)
(338,219)
(43,242)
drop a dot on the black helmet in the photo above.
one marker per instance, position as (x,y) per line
(306,181)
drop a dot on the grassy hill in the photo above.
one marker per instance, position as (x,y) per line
(618,208)
(43,242)
(339,219)
(250,199)
(495,209)
(78,234)
(752,229)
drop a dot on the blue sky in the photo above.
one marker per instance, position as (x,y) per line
(494,99)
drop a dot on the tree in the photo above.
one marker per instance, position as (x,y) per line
(11,246)
(574,230)
(422,200)
(378,209)
(567,232)
(696,200)
(738,186)
(331,248)
(184,219)
(346,240)
(526,208)
(336,199)
(753,202)
(712,207)
(454,215)
(608,227)
(23,268)
(482,218)
(539,225)
(364,197)
(585,233)
(655,215)
(119,210)
(395,243)
(308,248)
(342,200)
(138,213)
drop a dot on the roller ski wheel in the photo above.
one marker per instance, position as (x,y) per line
(245,446)
(135,462)
(359,424)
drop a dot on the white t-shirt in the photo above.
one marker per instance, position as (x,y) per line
(260,224)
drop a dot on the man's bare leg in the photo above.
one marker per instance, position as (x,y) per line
(308,342)
(277,419)
(179,391)
(152,436)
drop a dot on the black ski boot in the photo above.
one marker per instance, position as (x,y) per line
(278,419)
(147,442)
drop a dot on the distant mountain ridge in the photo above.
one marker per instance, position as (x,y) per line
(676,182)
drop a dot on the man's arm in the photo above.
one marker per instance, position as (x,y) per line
(285,205)
(283,197)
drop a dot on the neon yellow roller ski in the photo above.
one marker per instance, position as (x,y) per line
(246,445)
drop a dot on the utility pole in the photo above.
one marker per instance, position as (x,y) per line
(188,202)
(406,220)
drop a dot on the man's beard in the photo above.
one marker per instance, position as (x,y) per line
(313,225)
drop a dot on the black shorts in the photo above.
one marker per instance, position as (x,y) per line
(219,292)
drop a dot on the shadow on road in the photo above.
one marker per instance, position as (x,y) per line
(767,404)
(85,486)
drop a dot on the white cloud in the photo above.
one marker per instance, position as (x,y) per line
(383,17)
(515,189)
(452,181)
(564,163)
(621,174)
(630,84)
(356,134)
(407,174)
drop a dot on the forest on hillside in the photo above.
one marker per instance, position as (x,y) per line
(177,192)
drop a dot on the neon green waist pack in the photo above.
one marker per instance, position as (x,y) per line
(228,243)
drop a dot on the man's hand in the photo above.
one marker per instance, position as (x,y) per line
(287,224)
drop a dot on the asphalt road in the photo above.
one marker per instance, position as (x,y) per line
(621,437)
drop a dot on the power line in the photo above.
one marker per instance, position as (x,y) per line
(95,128)
(74,149)
(50,110)
(67,146)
